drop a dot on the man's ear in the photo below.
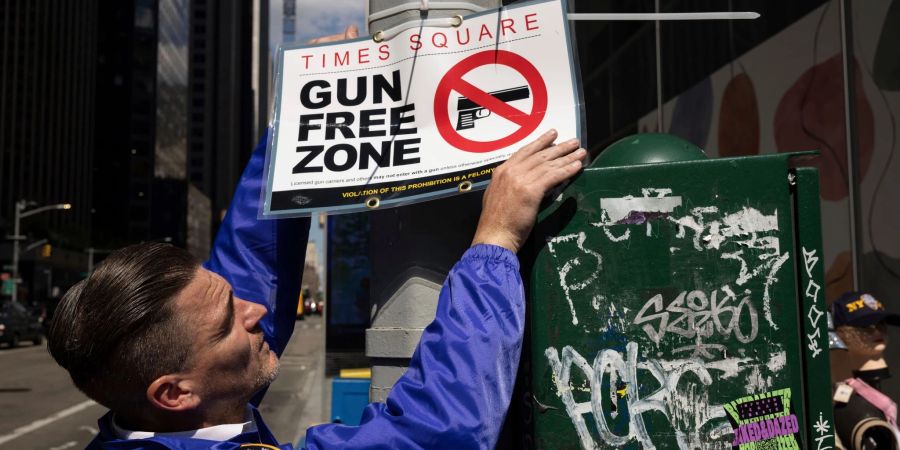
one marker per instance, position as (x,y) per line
(173,392)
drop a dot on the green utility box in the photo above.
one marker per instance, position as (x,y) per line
(677,302)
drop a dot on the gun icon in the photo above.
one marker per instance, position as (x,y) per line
(470,111)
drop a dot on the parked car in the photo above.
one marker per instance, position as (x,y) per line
(17,324)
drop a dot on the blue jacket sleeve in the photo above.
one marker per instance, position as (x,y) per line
(458,387)
(262,259)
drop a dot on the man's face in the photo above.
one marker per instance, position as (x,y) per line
(229,356)
(869,341)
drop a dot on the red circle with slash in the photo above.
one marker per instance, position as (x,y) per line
(453,81)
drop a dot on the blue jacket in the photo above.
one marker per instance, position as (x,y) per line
(460,380)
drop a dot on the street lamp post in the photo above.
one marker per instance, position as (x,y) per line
(19,215)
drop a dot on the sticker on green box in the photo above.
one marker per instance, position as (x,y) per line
(764,422)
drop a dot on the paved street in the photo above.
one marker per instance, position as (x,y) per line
(40,409)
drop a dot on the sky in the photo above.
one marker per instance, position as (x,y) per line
(315,18)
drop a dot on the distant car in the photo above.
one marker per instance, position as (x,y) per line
(320,307)
(17,324)
(310,304)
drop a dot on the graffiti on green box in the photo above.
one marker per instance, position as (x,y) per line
(659,357)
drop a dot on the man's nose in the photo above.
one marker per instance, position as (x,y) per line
(250,313)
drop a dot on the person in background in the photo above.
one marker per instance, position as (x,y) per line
(864,417)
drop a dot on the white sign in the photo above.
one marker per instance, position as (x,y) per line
(429,113)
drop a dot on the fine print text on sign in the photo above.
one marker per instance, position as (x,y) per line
(426,114)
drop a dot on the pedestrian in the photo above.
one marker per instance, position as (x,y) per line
(180,352)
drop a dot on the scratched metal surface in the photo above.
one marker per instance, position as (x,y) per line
(659,294)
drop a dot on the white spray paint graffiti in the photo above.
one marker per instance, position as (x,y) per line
(777,362)
(814,315)
(596,301)
(747,228)
(773,266)
(695,222)
(747,223)
(694,315)
(613,318)
(823,433)
(569,286)
(708,318)
(686,405)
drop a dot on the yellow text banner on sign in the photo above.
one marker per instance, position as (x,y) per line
(429,113)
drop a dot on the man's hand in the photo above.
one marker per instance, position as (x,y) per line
(517,186)
(350,33)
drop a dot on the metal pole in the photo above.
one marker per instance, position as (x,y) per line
(407,275)
(746,15)
(20,205)
(850,131)
(19,215)
(90,251)
(659,96)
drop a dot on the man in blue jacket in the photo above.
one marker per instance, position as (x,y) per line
(177,351)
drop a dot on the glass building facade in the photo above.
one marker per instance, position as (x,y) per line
(48,53)
(47,76)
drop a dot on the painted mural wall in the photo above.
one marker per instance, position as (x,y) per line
(787,95)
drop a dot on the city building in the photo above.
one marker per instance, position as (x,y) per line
(139,190)
(48,50)
(311,275)
(222,110)
(175,91)
(139,113)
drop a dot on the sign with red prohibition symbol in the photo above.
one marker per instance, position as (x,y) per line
(427,112)
(477,100)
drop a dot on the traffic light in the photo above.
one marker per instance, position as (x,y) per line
(46,250)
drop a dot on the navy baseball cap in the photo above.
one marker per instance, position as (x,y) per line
(859,309)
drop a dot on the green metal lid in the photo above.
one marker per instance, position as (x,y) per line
(648,148)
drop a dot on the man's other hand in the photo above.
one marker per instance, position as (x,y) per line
(352,32)
(517,186)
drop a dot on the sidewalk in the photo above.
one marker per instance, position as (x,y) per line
(301,395)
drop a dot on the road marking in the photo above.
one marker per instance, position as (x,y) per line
(46,421)
(69,444)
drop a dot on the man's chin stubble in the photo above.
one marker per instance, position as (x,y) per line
(267,377)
